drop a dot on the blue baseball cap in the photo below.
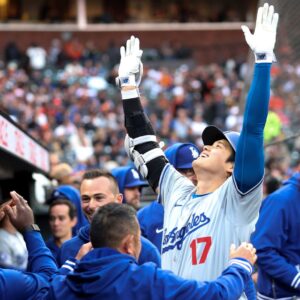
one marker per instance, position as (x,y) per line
(212,134)
(181,155)
(133,179)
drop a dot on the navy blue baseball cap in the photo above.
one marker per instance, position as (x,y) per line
(212,134)
(181,155)
(133,179)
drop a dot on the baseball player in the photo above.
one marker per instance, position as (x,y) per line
(130,184)
(201,222)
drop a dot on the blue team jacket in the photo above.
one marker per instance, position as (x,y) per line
(151,219)
(277,240)
(107,274)
(71,247)
(18,285)
(53,247)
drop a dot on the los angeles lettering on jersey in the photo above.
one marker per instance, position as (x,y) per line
(176,236)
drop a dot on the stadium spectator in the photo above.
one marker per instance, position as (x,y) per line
(37,57)
(12,53)
(62,173)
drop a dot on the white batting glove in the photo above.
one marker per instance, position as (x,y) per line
(262,42)
(131,67)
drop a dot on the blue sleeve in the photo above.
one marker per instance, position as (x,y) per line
(273,219)
(229,285)
(249,160)
(149,253)
(20,285)
(40,258)
(68,266)
(250,290)
(140,217)
(68,249)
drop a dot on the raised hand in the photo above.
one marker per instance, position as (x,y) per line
(130,68)
(263,40)
(20,215)
(245,250)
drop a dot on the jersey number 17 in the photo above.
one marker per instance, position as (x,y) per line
(205,243)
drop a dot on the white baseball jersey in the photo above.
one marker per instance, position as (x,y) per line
(198,231)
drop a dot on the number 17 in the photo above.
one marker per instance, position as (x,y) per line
(207,241)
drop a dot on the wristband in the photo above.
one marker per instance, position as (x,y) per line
(125,81)
(32,227)
(264,57)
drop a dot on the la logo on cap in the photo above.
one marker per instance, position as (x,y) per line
(195,153)
(135,174)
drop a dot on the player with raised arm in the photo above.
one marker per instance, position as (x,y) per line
(201,222)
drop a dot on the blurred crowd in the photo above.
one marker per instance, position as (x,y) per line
(66,98)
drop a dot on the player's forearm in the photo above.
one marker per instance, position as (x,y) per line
(40,258)
(250,290)
(256,109)
(137,124)
(249,162)
(136,121)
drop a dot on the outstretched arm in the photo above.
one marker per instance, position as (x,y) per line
(140,144)
(249,162)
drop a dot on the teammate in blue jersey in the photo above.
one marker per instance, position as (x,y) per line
(130,185)
(201,222)
(33,284)
(62,218)
(151,217)
(99,187)
(277,238)
(110,270)
(71,194)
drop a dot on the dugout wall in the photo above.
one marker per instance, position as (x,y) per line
(21,156)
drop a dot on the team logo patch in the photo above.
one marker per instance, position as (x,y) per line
(194,152)
(176,236)
(135,174)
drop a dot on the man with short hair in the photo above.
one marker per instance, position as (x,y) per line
(72,194)
(62,218)
(130,185)
(100,187)
(110,269)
